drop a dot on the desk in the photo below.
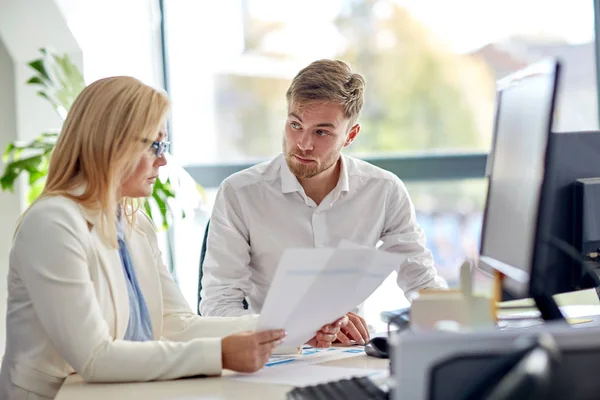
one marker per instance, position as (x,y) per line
(195,388)
(217,388)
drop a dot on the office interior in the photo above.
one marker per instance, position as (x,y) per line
(432,69)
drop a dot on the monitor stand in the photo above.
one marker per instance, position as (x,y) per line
(548,308)
(545,303)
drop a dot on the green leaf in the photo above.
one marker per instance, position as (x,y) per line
(148,209)
(47,97)
(7,181)
(39,66)
(41,173)
(35,80)
(59,81)
(35,190)
(17,153)
(163,213)
(161,224)
(9,148)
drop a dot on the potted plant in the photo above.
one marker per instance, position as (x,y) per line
(59,81)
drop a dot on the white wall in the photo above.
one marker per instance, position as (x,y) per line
(25,27)
(9,203)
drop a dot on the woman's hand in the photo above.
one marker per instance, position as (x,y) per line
(328,334)
(249,351)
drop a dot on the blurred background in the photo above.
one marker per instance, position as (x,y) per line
(430,66)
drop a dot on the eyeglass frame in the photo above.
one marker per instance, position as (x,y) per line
(160,148)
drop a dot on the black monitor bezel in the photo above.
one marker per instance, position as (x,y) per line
(516,282)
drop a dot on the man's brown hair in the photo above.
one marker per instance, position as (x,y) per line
(330,81)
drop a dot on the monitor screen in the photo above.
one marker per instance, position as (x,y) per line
(525,103)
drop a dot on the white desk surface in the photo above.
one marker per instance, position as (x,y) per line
(195,388)
(216,388)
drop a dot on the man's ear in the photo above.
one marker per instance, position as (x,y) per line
(352,135)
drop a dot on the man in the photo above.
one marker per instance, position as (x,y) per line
(310,196)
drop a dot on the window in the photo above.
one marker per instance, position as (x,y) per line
(430,66)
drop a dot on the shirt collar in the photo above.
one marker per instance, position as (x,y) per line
(290,184)
(343,184)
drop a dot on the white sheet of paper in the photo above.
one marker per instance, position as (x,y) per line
(578,311)
(304,375)
(315,356)
(314,287)
(571,311)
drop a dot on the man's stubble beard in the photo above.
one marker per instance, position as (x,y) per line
(302,171)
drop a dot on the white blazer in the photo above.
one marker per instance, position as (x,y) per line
(68,308)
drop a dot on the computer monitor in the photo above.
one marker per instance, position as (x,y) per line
(516,166)
(567,219)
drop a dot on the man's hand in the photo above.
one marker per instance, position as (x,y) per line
(249,351)
(326,336)
(356,330)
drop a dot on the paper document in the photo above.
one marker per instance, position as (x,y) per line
(314,287)
(304,375)
(314,356)
(572,313)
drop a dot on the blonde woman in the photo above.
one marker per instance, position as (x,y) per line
(88,292)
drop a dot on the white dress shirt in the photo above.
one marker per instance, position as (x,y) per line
(263,210)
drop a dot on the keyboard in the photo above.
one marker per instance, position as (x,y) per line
(354,388)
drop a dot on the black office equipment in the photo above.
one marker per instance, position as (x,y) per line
(517,165)
(524,374)
(442,365)
(571,156)
(538,228)
(345,389)
(400,319)
(526,233)
(201,269)
(377,347)
(586,207)
(530,236)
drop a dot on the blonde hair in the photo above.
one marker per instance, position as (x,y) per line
(107,129)
(330,81)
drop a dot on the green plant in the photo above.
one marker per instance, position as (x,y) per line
(59,81)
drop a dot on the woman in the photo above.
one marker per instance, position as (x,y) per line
(88,292)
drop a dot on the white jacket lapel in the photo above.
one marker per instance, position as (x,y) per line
(110,261)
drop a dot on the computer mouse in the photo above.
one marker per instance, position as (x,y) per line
(377,347)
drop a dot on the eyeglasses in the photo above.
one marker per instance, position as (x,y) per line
(159,148)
